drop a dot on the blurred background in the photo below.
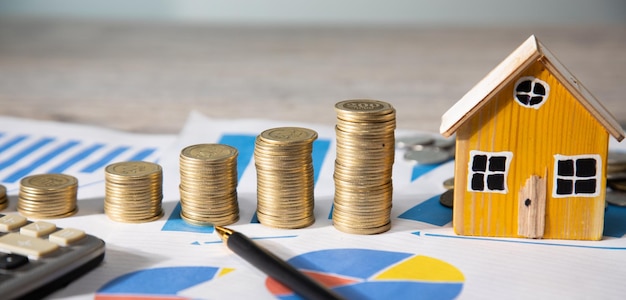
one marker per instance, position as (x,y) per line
(325,12)
(143,65)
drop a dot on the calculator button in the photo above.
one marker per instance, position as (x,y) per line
(66,236)
(26,245)
(38,229)
(11,222)
(12,261)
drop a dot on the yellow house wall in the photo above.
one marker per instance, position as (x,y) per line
(560,126)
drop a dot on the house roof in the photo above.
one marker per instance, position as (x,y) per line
(526,54)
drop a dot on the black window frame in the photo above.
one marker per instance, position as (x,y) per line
(488,171)
(574,178)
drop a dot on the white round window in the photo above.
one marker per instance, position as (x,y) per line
(531,92)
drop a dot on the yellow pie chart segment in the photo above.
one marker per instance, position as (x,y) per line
(422,268)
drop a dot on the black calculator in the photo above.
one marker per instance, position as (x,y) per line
(37,258)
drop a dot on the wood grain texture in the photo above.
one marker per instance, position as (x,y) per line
(532,137)
(532,207)
(146,77)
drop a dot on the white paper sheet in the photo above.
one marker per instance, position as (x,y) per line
(419,258)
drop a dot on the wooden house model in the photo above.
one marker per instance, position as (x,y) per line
(531,151)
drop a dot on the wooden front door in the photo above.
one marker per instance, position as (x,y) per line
(532,208)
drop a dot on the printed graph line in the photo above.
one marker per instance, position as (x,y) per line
(23,161)
(418,233)
(60,168)
(142,154)
(252,238)
(17,175)
(105,160)
(12,142)
(25,152)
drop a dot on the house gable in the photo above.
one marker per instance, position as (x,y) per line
(509,69)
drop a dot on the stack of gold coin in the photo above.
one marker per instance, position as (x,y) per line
(4,200)
(133,191)
(48,196)
(208,184)
(363,167)
(284,169)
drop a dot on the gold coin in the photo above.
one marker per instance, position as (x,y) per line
(46,182)
(142,219)
(449,183)
(618,185)
(209,152)
(447,198)
(367,106)
(362,230)
(288,135)
(37,215)
(616,162)
(216,221)
(131,169)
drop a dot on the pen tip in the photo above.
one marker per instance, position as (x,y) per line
(223,232)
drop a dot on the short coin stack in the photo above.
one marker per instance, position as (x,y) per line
(133,191)
(363,167)
(285,177)
(616,178)
(48,196)
(208,184)
(4,200)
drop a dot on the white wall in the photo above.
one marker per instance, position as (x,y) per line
(447,12)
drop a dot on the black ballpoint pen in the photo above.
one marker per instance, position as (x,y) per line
(273,266)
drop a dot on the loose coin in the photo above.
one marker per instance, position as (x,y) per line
(617,198)
(414,140)
(619,185)
(427,156)
(616,162)
(448,183)
(445,144)
(447,198)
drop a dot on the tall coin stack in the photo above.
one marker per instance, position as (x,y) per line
(48,196)
(4,200)
(133,191)
(363,167)
(284,169)
(208,184)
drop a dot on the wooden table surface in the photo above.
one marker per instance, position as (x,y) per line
(147,77)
